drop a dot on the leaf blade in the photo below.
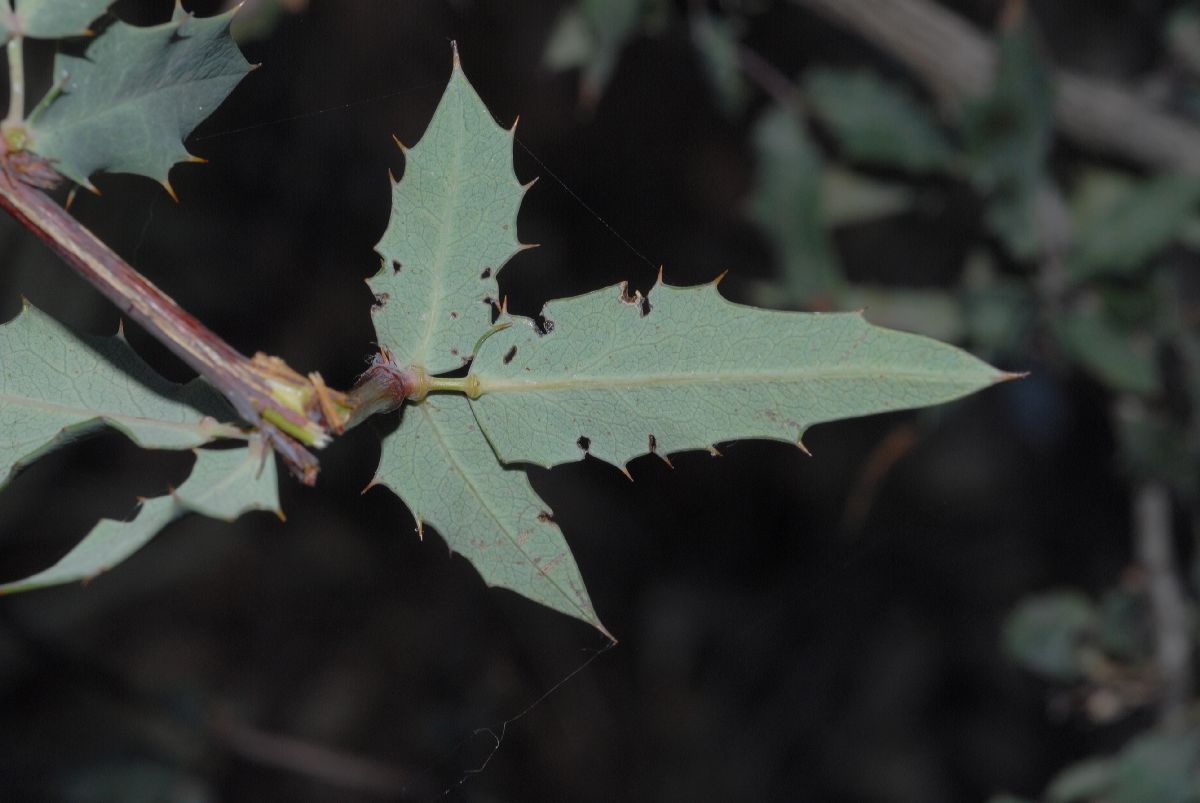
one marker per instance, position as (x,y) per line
(55,19)
(55,386)
(223,484)
(452,229)
(128,105)
(619,377)
(441,466)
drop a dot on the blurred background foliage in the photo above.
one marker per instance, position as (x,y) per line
(992,600)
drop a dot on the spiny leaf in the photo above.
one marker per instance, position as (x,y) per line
(440,464)
(223,484)
(452,229)
(683,368)
(56,386)
(129,103)
(55,19)
(876,122)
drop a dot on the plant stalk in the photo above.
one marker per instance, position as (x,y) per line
(264,391)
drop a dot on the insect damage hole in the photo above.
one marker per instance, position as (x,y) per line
(381,300)
(508,356)
(584,442)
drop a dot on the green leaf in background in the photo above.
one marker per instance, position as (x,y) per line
(786,205)
(683,368)
(590,35)
(1121,359)
(848,198)
(876,122)
(1120,234)
(56,386)
(452,229)
(715,40)
(55,19)
(1009,134)
(1045,633)
(129,103)
(441,465)
(223,484)
(1156,767)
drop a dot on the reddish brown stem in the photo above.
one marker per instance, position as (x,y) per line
(248,384)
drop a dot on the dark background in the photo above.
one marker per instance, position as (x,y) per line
(768,651)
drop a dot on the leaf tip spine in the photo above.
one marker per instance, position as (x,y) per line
(625,470)
(456,63)
(718,280)
(800,445)
(1008,376)
(170,190)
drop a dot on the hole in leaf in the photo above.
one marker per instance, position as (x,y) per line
(396,266)
(487,272)
(645,304)
(584,442)
(381,301)
(543,325)
(508,357)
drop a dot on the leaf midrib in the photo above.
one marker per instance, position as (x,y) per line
(791,376)
(452,457)
(81,414)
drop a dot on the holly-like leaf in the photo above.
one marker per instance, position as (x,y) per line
(683,368)
(223,484)
(55,19)
(441,465)
(453,228)
(56,386)
(128,104)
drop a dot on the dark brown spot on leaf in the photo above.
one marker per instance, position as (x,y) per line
(487,273)
(653,443)
(381,300)
(508,357)
(545,517)
(453,315)
(396,266)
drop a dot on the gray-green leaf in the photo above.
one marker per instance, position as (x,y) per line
(452,229)
(55,19)
(56,386)
(223,484)
(683,368)
(441,465)
(127,106)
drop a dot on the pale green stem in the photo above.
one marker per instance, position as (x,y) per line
(16,81)
(50,97)
(468,385)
